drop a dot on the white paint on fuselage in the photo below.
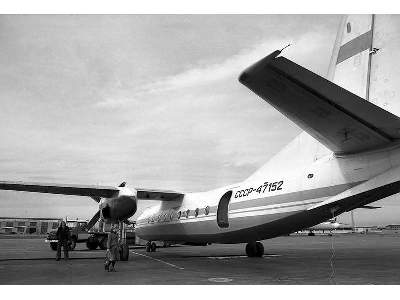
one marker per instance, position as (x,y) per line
(328,172)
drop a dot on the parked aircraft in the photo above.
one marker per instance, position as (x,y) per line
(329,226)
(347,157)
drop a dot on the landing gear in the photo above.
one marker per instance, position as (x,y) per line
(124,252)
(92,243)
(124,249)
(255,249)
(151,247)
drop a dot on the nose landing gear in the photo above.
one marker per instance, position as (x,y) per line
(255,249)
(124,249)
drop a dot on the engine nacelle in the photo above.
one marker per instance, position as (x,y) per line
(119,208)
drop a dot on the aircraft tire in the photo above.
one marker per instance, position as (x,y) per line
(92,243)
(148,247)
(153,247)
(251,249)
(259,249)
(124,253)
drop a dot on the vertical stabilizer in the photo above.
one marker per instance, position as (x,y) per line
(365,59)
(384,88)
(350,62)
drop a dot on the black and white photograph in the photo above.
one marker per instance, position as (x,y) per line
(199,149)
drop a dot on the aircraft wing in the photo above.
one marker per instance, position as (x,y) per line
(150,194)
(93,191)
(339,119)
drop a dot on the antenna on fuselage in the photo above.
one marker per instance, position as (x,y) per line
(288,45)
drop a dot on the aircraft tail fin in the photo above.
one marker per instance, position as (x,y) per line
(364,59)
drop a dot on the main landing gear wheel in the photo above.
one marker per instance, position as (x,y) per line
(151,247)
(124,252)
(255,249)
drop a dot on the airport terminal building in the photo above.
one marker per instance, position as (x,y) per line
(9,225)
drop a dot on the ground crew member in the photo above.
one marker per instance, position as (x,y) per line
(63,237)
(112,249)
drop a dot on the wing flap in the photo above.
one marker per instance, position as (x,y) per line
(339,119)
(150,194)
(63,189)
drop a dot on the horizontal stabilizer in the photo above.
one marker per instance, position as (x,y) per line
(339,119)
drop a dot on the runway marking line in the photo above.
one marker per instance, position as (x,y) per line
(242,256)
(220,279)
(159,260)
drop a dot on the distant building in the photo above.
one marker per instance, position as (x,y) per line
(28,225)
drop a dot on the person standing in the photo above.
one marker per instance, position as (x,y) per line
(63,237)
(112,249)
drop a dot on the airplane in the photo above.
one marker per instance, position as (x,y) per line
(347,156)
(329,225)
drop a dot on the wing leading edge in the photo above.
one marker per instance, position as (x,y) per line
(339,119)
(63,189)
(93,191)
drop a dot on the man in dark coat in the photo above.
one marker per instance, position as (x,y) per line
(63,237)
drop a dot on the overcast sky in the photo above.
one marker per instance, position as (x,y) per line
(148,99)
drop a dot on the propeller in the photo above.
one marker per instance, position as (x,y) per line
(128,222)
(122,206)
(93,220)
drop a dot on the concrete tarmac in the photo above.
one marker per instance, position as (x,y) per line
(341,259)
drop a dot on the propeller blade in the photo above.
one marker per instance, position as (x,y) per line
(128,222)
(94,220)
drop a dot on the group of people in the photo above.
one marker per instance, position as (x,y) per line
(64,238)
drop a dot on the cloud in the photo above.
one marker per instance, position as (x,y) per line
(303,48)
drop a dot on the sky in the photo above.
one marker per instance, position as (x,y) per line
(153,100)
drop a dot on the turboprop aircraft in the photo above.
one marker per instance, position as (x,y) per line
(347,157)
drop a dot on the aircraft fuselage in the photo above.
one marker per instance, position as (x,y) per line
(271,204)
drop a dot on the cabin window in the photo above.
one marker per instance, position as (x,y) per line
(348,27)
(207,210)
